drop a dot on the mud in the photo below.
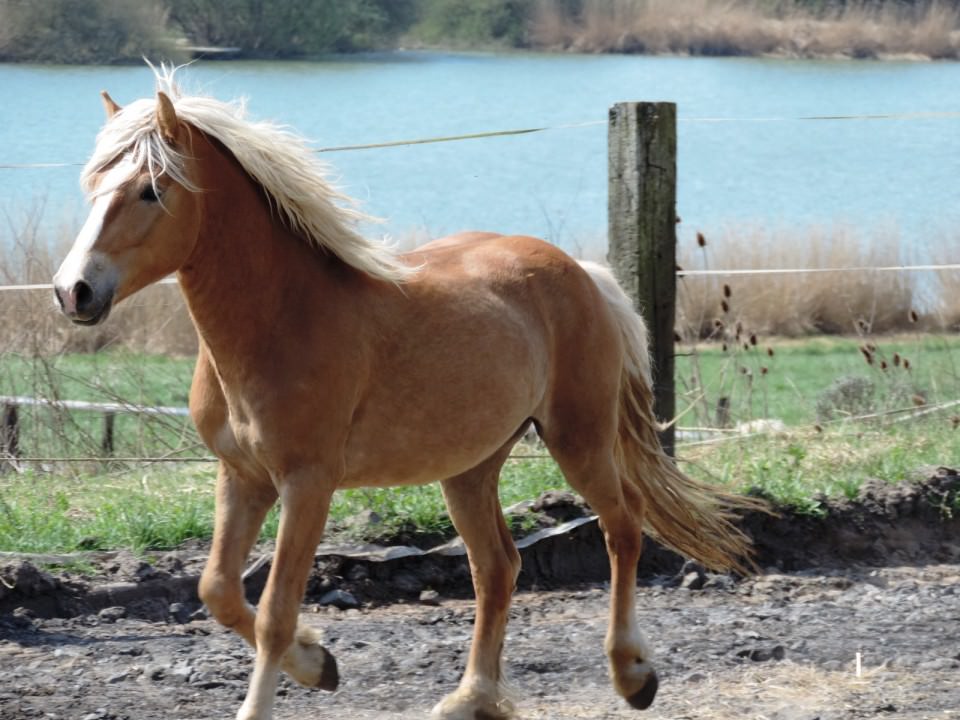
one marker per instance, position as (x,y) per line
(878,577)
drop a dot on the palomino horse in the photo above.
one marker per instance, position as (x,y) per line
(328,361)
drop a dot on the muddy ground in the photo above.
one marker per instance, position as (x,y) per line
(878,577)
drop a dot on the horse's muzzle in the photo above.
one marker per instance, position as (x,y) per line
(84,303)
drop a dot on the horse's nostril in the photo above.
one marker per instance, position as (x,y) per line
(83,294)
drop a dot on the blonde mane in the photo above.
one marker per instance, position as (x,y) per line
(284,165)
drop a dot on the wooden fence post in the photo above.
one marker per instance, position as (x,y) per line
(10,432)
(642,232)
(107,443)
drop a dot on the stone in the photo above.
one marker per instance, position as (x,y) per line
(430,597)
(112,614)
(118,677)
(340,599)
(764,654)
(692,581)
(180,613)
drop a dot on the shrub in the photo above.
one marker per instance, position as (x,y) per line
(294,28)
(84,31)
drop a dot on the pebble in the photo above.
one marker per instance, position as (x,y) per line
(112,614)
(430,597)
(180,613)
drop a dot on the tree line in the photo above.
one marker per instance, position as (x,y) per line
(117,31)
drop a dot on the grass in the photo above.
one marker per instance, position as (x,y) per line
(160,507)
(726,354)
(800,468)
(795,380)
(119,377)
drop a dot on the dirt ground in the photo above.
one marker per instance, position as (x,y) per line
(781,645)
(777,646)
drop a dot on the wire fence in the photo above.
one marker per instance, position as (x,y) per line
(692,437)
(486,134)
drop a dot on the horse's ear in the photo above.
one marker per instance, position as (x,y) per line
(166,118)
(109,105)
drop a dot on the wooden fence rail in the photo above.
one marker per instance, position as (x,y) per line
(10,432)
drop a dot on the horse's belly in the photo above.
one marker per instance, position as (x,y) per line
(417,450)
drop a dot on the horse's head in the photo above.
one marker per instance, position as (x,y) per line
(145,215)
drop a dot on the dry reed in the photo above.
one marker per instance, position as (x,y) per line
(723,307)
(859,302)
(153,321)
(750,27)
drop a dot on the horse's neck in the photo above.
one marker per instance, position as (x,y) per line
(249,279)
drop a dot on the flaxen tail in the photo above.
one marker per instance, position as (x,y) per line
(691,517)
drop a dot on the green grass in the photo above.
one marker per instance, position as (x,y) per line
(100,505)
(800,468)
(115,376)
(799,372)
(160,507)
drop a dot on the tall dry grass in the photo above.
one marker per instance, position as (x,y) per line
(790,305)
(153,321)
(749,27)
(853,302)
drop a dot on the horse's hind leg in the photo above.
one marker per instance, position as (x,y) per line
(595,475)
(494,563)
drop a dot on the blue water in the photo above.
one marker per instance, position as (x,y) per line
(745,156)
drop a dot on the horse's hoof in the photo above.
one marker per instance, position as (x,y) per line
(643,698)
(330,676)
(310,663)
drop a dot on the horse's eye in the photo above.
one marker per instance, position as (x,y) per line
(149,194)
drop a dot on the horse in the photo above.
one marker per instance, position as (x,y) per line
(329,360)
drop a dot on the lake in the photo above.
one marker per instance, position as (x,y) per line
(746,156)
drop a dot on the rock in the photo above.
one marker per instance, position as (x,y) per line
(340,599)
(182,671)
(692,581)
(777,652)
(112,614)
(180,613)
(430,597)
(155,671)
(692,575)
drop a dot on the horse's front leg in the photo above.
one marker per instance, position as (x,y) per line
(281,645)
(242,504)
